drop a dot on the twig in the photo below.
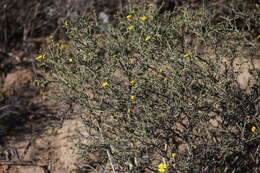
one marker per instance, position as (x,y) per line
(26,149)
(110,160)
(108,153)
(20,163)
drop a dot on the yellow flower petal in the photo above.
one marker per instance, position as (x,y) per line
(148,38)
(130,28)
(50,37)
(63,46)
(105,84)
(132,97)
(253,129)
(70,60)
(174,154)
(132,82)
(99,35)
(186,55)
(129,16)
(143,18)
(162,167)
(40,57)
(66,23)
(43,93)
(130,111)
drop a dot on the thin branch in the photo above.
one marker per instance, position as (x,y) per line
(110,160)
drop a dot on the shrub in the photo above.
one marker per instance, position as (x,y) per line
(161,90)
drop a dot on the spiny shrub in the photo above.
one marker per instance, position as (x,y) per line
(160,91)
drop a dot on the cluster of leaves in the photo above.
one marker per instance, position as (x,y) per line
(156,85)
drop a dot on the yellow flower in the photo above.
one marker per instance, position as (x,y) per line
(50,37)
(143,18)
(174,154)
(129,16)
(130,28)
(148,38)
(63,46)
(186,55)
(115,116)
(70,60)
(132,97)
(40,57)
(258,36)
(105,84)
(253,129)
(66,23)
(162,70)
(98,35)
(43,93)
(162,167)
(132,82)
(130,111)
